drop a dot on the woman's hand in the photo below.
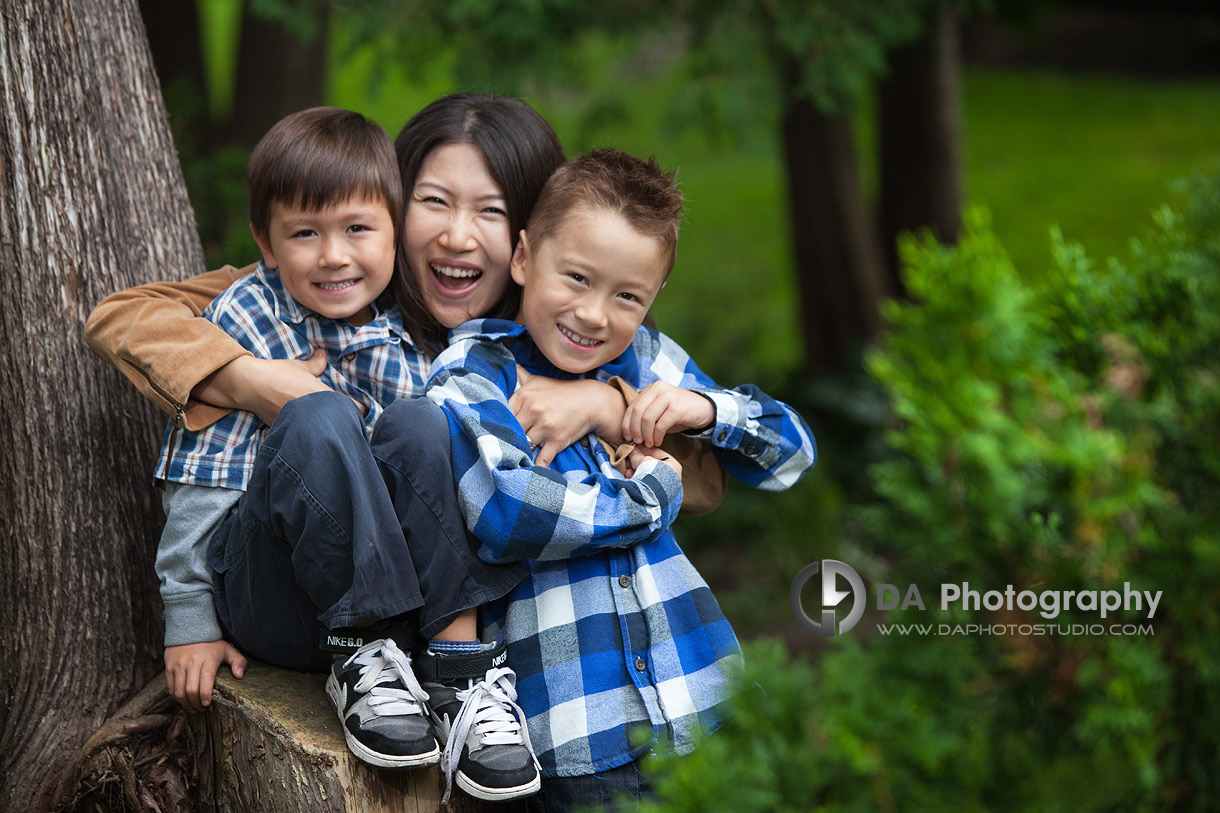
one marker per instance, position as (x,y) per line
(555,414)
(190,671)
(262,386)
(662,408)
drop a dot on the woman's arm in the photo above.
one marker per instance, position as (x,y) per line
(555,414)
(186,365)
(152,335)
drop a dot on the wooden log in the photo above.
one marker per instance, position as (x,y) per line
(271,743)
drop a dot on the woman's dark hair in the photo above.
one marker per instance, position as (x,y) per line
(521,151)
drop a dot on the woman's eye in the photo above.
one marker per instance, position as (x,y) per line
(572,275)
(495,210)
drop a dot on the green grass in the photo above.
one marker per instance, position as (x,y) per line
(1093,154)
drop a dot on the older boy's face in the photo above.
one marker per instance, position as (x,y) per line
(333,261)
(587,288)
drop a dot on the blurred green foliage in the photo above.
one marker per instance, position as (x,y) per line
(1050,433)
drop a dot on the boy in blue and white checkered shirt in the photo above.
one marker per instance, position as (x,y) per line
(613,634)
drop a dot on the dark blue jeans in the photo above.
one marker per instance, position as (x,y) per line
(601,791)
(333,530)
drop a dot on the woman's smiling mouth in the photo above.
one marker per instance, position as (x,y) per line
(454,277)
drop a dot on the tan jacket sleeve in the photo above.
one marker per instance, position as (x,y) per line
(152,335)
(704,483)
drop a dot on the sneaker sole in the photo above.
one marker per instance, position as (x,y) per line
(497,794)
(365,754)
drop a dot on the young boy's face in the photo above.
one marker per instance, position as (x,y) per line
(334,261)
(587,288)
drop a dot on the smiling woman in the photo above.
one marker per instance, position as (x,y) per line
(457,241)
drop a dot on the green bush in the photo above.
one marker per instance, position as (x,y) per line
(1050,435)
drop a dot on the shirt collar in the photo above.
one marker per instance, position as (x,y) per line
(289,310)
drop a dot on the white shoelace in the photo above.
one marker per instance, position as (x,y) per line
(490,707)
(383,662)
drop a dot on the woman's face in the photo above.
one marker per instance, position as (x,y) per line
(456,235)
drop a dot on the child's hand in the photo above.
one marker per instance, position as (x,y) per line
(642,453)
(190,671)
(662,408)
(555,414)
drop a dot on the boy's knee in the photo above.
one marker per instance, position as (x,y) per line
(320,418)
(413,427)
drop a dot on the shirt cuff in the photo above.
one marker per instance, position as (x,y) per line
(191,619)
(668,481)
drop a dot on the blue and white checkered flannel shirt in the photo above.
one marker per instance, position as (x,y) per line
(615,637)
(375,364)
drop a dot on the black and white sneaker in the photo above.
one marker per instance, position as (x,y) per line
(382,707)
(487,746)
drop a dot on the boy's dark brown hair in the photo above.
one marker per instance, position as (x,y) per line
(645,195)
(319,158)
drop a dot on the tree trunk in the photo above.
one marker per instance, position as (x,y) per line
(919,137)
(271,743)
(278,72)
(91,200)
(840,272)
(177,52)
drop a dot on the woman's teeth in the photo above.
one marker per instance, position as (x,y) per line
(456,273)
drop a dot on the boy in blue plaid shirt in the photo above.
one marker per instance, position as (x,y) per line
(615,638)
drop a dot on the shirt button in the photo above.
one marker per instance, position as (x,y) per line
(350,356)
(624,581)
(724,433)
(751,450)
(640,666)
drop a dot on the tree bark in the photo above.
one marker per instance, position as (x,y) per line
(840,274)
(920,142)
(91,200)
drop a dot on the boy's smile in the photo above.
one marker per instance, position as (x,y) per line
(334,261)
(587,288)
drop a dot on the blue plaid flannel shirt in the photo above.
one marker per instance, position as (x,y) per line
(374,364)
(615,637)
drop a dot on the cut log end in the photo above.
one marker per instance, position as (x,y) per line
(271,742)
